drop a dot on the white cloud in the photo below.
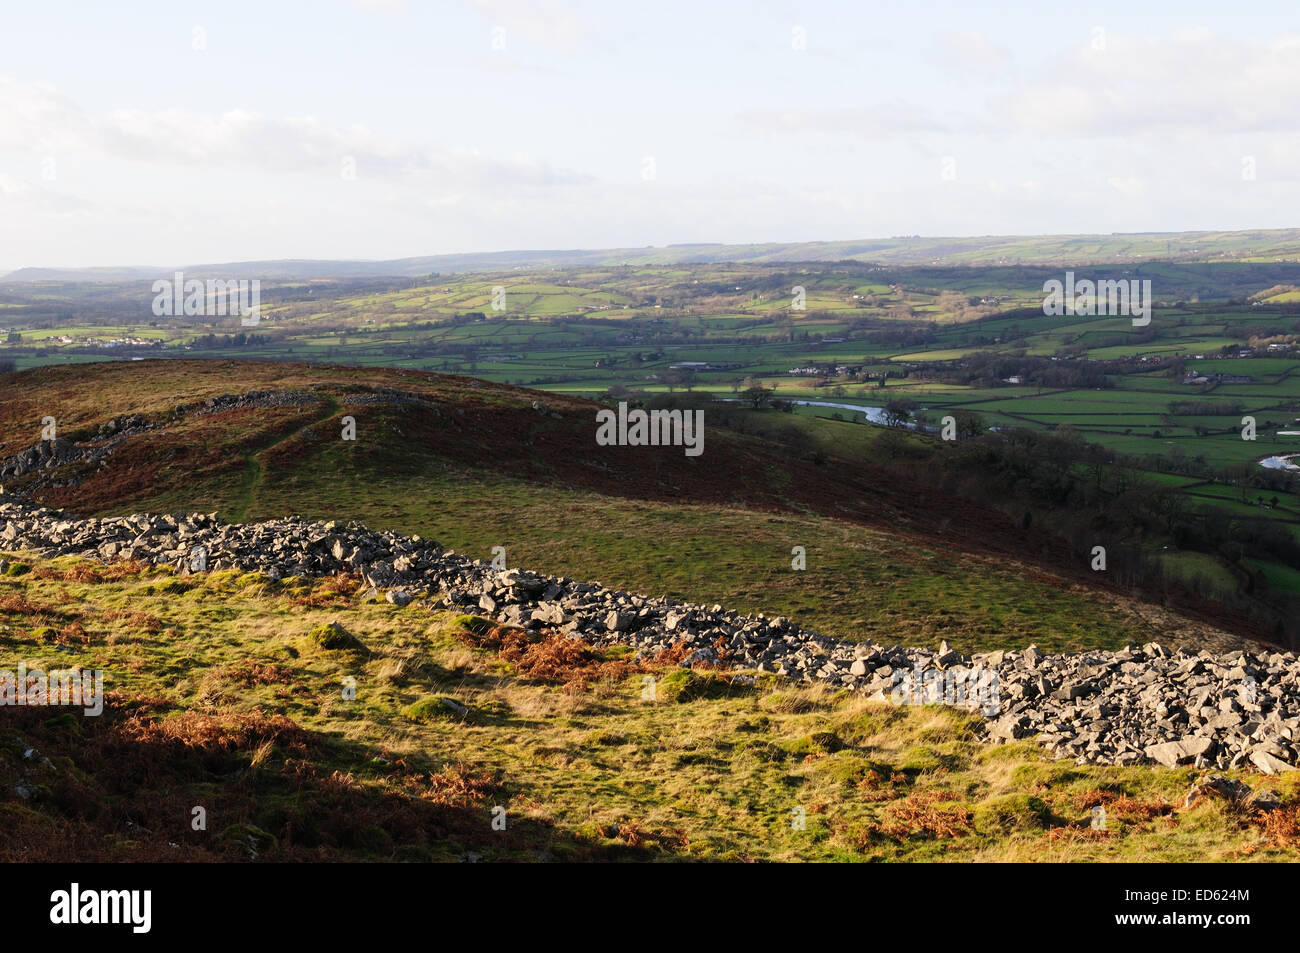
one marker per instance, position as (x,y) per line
(41,119)
(1191,82)
(18,193)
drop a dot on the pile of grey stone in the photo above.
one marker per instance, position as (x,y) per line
(46,458)
(255,399)
(1136,705)
(46,455)
(391,397)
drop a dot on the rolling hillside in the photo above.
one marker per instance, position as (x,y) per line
(478,465)
(223,686)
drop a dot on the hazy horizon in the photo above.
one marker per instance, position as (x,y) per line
(477,252)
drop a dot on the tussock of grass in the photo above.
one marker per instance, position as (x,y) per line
(332,637)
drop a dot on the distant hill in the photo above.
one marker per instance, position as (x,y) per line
(1256,245)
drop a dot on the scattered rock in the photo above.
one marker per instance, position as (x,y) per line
(1268,763)
(1216,785)
(1265,799)
(1127,707)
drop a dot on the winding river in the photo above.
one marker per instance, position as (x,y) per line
(874,414)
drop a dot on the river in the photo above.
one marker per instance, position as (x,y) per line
(1280,462)
(874,414)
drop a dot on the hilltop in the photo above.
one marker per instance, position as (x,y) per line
(1254,244)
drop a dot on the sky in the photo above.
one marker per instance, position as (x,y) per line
(188,132)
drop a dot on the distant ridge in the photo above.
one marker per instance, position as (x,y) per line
(1252,245)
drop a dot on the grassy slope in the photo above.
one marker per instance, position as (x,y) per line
(223,699)
(483,468)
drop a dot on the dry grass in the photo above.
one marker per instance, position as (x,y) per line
(237,709)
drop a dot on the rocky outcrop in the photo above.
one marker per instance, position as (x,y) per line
(394,398)
(42,466)
(45,460)
(1137,705)
(251,400)
(45,455)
